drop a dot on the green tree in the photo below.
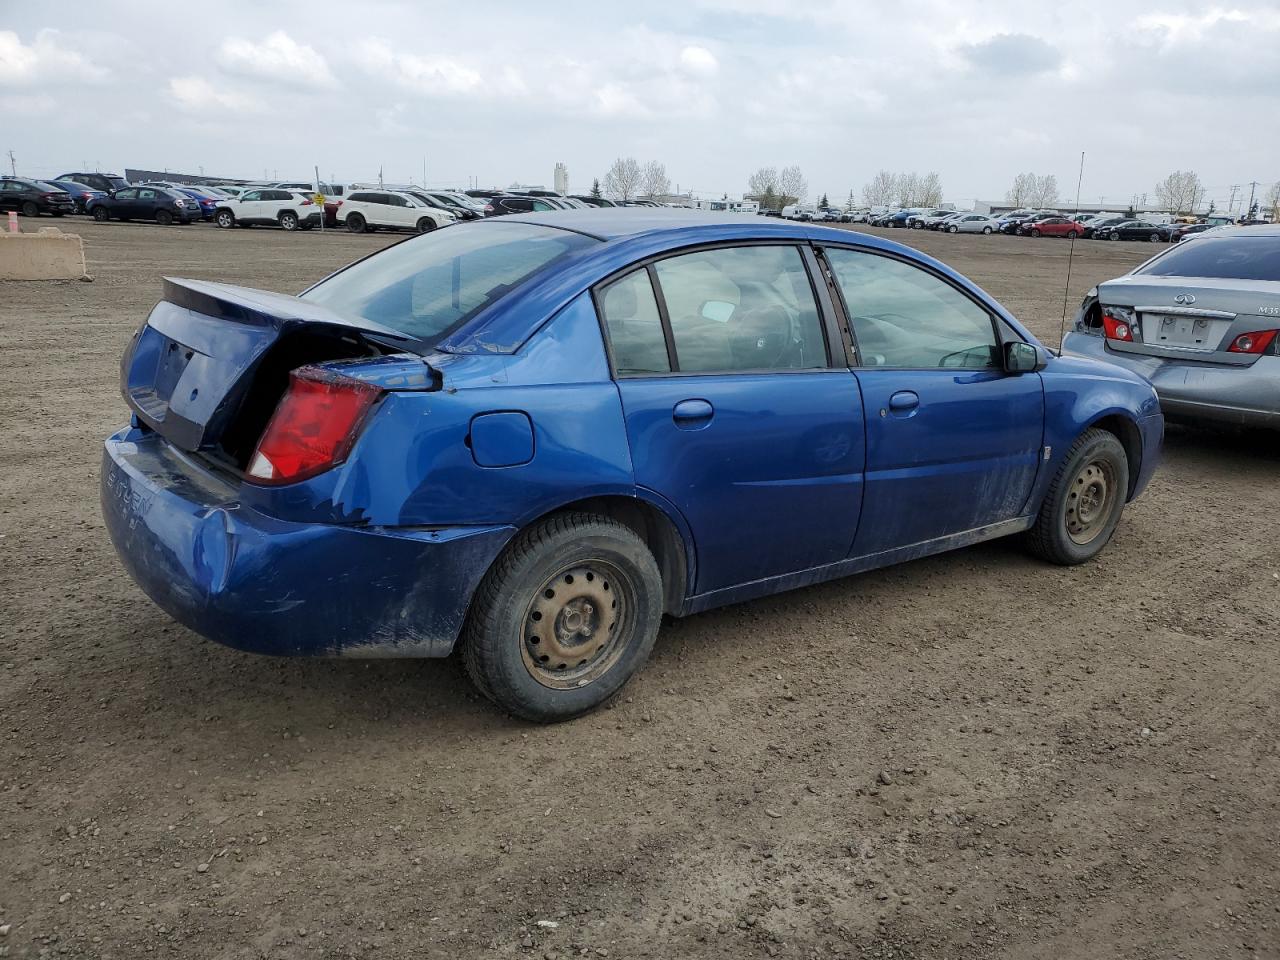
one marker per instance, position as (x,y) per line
(822,204)
(595,189)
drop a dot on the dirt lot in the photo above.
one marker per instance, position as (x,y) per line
(970,756)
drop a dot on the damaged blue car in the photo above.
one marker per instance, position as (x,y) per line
(532,437)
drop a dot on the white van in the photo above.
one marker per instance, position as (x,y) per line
(799,211)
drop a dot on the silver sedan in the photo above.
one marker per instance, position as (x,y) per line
(1201,321)
(971,223)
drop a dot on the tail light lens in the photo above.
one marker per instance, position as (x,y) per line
(306,203)
(1118,324)
(314,427)
(1256,342)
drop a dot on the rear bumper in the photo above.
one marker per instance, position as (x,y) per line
(1195,390)
(268,586)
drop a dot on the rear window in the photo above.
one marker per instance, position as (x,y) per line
(1225,258)
(426,286)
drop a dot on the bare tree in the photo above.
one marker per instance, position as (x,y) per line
(908,189)
(654,182)
(623,179)
(879,192)
(1045,193)
(930,190)
(1024,186)
(762,181)
(1273,201)
(1180,192)
(792,185)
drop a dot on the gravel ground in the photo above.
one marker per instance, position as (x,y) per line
(974,755)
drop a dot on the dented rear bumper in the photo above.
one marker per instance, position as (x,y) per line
(268,586)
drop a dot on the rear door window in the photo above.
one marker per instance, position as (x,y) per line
(742,308)
(631,316)
(1225,258)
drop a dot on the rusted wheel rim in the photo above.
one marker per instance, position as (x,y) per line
(1089,501)
(576,625)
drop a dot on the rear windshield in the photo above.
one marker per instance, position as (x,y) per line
(426,286)
(1227,258)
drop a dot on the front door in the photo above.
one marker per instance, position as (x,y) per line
(734,413)
(953,442)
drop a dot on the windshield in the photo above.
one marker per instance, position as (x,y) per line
(1223,257)
(426,286)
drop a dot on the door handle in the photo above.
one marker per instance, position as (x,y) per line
(692,414)
(904,401)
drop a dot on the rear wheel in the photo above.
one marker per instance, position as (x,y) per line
(225,219)
(1154,238)
(29,209)
(984,230)
(1084,502)
(101,215)
(1072,234)
(564,617)
(288,220)
(426,225)
(355,223)
(164,217)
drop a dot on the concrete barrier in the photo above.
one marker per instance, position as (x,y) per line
(48,254)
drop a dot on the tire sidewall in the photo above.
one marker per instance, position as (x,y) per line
(225,219)
(507,674)
(289,221)
(355,223)
(1102,444)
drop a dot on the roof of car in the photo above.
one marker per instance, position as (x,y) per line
(615,223)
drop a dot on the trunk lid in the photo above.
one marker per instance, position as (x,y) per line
(1192,318)
(209,351)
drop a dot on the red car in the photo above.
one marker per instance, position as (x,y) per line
(1052,227)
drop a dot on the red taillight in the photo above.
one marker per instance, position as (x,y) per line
(1256,342)
(488,208)
(306,203)
(314,427)
(1116,329)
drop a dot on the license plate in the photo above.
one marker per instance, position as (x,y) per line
(1187,333)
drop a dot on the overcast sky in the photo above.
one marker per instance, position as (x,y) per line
(497,92)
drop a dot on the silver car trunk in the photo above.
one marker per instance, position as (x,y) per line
(1191,318)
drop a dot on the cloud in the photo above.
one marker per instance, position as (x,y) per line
(45,61)
(1013,53)
(424,75)
(26,105)
(279,58)
(699,60)
(197,93)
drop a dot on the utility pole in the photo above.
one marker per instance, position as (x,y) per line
(13,164)
(1253,185)
(1231,204)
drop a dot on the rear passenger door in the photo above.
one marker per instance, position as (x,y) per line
(953,442)
(734,412)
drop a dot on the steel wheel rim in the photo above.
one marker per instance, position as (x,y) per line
(1089,501)
(575,627)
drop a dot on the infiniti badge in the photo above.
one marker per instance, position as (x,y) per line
(1185,298)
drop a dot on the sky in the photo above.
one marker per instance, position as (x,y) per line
(492,93)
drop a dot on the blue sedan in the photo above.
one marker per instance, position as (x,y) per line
(532,436)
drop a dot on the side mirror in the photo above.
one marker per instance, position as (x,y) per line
(1022,357)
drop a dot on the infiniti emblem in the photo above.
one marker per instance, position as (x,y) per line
(1185,298)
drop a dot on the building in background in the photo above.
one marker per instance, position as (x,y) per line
(561,178)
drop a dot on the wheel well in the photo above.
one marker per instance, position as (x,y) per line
(1126,431)
(655,529)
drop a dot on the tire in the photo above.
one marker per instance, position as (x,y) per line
(1154,238)
(1072,235)
(164,218)
(557,574)
(101,214)
(954,230)
(426,225)
(29,209)
(355,223)
(1035,232)
(225,219)
(1114,236)
(1085,500)
(288,221)
(986,230)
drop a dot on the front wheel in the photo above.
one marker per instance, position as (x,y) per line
(1072,234)
(226,219)
(1114,236)
(986,230)
(426,225)
(1035,232)
(956,230)
(101,214)
(565,616)
(1080,512)
(1154,238)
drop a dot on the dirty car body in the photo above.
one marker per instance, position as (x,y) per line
(1201,322)
(753,450)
